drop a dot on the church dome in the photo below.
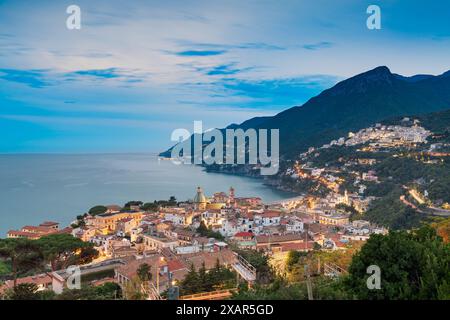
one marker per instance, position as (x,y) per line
(200,197)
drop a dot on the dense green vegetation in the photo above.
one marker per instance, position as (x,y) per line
(414,265)
(63,250)
(150,206)
(403,170)
(204,231)
(144,272)
(396,173)
(390,211)
(292,259)
(304,185)
(332,156)
(280,289)
(207,280)
(442,226)
(155,205)
(23,255)
(127,206)
(5,268)
(107,291)
(80,221)
(31,256)
(264,272)
(26,291)
(99,275)
(97,210)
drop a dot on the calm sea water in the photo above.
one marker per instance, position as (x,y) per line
(34,188)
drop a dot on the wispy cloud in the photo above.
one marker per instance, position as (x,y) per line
(226,69)
(41,78)
(225,46)
(199,53)
(97,73)
(32,78)
(318,45)
(86,54)
(181,60)
(123,76)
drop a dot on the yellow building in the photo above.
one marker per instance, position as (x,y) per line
(109,220)
(336,220)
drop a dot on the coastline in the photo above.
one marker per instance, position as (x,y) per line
(59,187)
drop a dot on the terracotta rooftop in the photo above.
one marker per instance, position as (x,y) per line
(225,257)
(175,264)
(271,214)
(49,224)
(40,279)
(24,234)
(130,269)
(38,229)
(243,234)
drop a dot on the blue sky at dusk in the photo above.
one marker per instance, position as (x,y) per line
(139,69)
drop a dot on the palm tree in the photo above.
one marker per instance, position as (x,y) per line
(144,272)
(24,255)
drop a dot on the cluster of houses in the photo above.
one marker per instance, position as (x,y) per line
(35,232)
(172,239)
(383,136)
(407,134)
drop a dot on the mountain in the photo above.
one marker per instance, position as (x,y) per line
(354,104)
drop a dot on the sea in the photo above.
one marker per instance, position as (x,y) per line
(58,187)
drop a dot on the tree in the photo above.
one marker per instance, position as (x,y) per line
(205,232)
(97,210)
(202,229)
(413,265)
(215,273)
(107,291)
(190,283)
(150,206)
(86,255)
(207,280)
(204,284)
(292,259)
(133,289)
(443,229)
(24,291)
(172,200)
(24,255)
(144,272)
(264,272)
(128,205)
(62,250)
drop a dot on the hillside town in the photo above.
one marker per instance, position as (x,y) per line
(204,231)
(354,159)
(175,238)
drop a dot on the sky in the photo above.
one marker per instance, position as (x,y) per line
(137,70)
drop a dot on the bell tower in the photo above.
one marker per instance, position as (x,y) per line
(231,196)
